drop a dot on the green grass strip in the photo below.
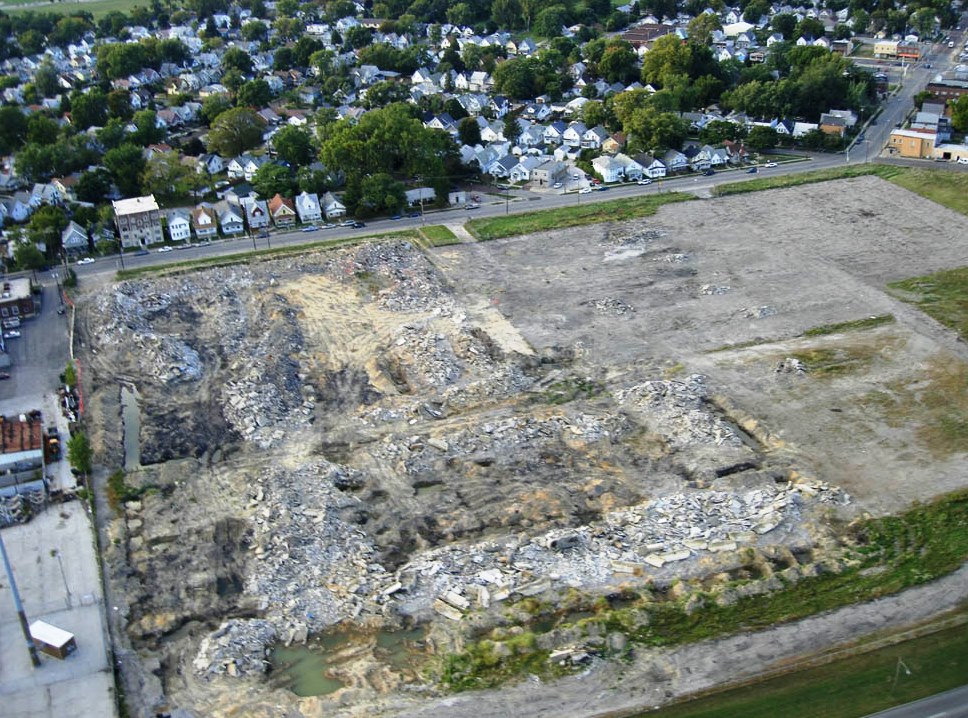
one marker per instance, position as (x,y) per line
(227,260)
(438,235)
(888,172)
(856,686)
(943,296)
(590,213)
(850,326)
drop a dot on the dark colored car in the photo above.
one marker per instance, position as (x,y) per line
(413,214)
(358,225)
(751,171)
(709,172)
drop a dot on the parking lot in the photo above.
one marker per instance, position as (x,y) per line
(53,557)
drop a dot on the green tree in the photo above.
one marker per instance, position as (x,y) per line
(762,138)
(860,21)
(255,31)
(506,13)
(593,113)
(45,79)
(126,163)
(717,131)
(119,104)
(93,185)
(668,59)
(549,21)
(70,374)
(959,114)
(381,194)
(469,132)
(235,131)
(79,453)
(13,129)
(46,225)
(166,177)
(147,130)
(213,106)
(26,255)
(702,27)
(255,93)
(785,24)
(236,58)
(42,129)
(294,145)
(89,109)
(754,10)
(271,179)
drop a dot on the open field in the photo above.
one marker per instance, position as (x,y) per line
(97,8)
(580,215)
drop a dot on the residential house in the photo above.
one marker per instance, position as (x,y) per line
(65,187)
(632,170)
(16,208)
(231,218)
(501,167)
(521,172)
(179,226)
(593,138)
(554,132)
(74,239)
(549,173)
(256,212)
(210,163)
(614,143)
(675,161)
(204,222)
(699,159)
(245,166)
(573,134)
(332,207)
(307,207)
(652,166)
(608,168)
(419,195)
(138,221)
(282,211)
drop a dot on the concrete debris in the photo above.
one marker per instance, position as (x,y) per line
(759,312)
(610,306)
(681,412)
(236,648)
(712,290)
(791,365)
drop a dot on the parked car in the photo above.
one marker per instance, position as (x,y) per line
(963,160)
(585,190)
(4,375)
(413,215)
(770,164)
(709,173)
(309,228)
(396,217)
(347,223)
(358,225)
(328,225)
(471,205)
(11,334)
(86,260)
(162,250)
(751,171)
(556,185)
(644,181)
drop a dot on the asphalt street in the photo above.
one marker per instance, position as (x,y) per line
(950,704)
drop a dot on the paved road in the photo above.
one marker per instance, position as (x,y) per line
(950,704)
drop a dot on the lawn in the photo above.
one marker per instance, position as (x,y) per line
(438,235)
(579,215)
(849,688)
(97,8)
(943,295)
(795,180)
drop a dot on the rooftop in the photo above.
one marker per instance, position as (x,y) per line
(24,433)
(135,205)
(18,288)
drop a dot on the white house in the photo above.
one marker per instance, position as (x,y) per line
(231,219)
(608,168)
(179,227)
(204,222)
(307,207)
(332,206)
(573,134)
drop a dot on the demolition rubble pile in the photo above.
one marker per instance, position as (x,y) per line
(441,469)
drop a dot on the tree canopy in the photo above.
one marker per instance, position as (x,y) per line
(235,131)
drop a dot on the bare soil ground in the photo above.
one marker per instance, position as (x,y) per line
(354,434)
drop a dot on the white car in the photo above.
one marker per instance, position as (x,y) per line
(556,185)
(585,190)
(162,250)
(11,334)
(770,164)
(644,181)
(86,260)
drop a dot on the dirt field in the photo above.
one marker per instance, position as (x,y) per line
(388,437)
(762,269)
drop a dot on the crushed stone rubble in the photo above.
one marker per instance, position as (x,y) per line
(680,411)
(611,306)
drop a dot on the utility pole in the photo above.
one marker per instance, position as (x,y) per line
(56,554)
(24,626)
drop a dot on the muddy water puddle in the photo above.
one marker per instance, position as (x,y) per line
(313,669)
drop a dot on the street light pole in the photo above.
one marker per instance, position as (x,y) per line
(21,614)
(56,554)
